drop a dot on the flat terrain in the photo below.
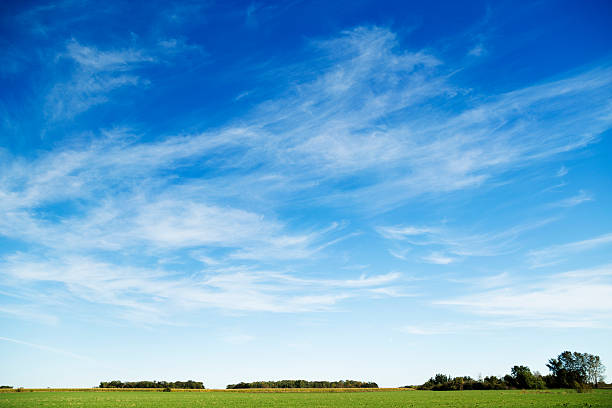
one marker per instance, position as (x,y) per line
(393,398)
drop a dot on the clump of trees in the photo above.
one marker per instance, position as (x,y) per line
(522,378)
(572,370)
(568,370)
(442,382)
(192,385)
(303,384)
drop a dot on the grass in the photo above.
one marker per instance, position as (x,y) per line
(383,398)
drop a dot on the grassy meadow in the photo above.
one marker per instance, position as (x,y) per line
(304,398)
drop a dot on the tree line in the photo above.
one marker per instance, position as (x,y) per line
(303,384)
(568,370)
(192,385)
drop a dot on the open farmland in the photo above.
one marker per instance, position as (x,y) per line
(382,398)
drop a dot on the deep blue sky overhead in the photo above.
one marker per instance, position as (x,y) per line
(228,191)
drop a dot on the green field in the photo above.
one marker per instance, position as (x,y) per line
(395,398)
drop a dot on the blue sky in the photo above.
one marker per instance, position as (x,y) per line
(323,190)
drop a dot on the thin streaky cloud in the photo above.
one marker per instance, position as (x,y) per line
(562,171)
(28,313)
(47,348)
(447,245)
(557,253)
(581,197)
(140,291)
(561,300)
(438,258)
(595,272)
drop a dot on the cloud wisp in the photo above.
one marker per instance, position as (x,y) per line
(571,299)
(47,348)
(445,245)
(96,74)
(558,253)
(143,294)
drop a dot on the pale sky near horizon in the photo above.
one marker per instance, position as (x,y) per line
(239,191)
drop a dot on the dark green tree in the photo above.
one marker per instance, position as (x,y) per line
(521,377)
(573,369)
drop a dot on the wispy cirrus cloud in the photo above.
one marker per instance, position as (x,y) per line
(373,122)
(438,258)
(571,299)
(445,245)
(93,60)
(562,171)
(28,312)
(47,348)
(555,254)
(143,294)
(581,197)
(478,50)
(96,74)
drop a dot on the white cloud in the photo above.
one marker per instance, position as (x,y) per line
(401,232)
(47,348)
(148,294)
(557,253)
(94,60)
(173,46)
(400,254)
(438,258)
(596,272)
(97,74)
(28,312)
(572,299)
(447,245)
(478,50)
(488,281)
(573,201)
(562,171)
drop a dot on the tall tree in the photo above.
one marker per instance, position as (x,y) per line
(572,368)
(594,370)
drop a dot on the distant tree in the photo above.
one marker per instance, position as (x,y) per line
(569,369)
(439,382)
(521,377)
(594,370)
(494,383)
(442,382)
